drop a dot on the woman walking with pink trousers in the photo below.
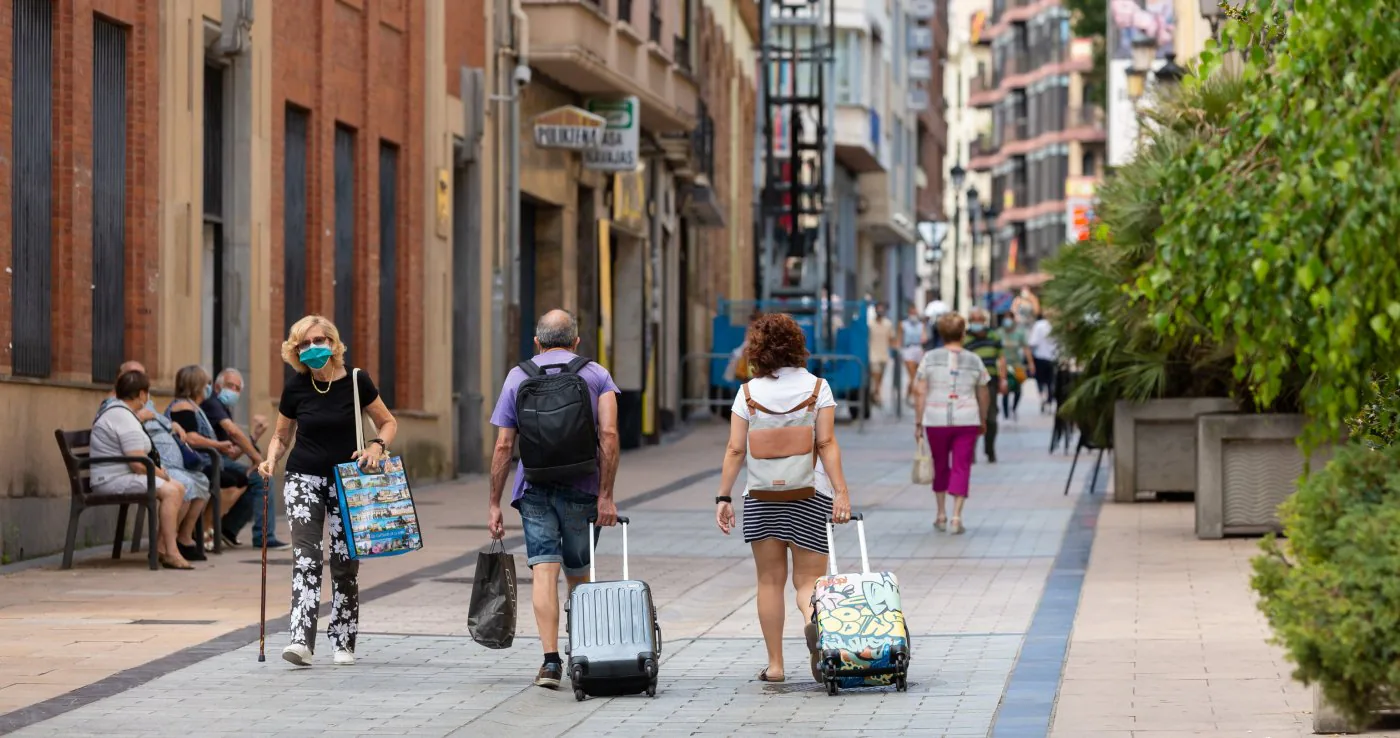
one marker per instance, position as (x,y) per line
(950,388)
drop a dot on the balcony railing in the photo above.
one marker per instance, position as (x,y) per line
(624,10)
(1087,116)
(655,22)
(982,146)
(682,51)
(702,142)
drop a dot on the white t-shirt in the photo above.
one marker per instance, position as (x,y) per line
(1043,344)
(117,432)
(788,389)
(951,379)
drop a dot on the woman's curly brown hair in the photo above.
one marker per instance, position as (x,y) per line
(775,341)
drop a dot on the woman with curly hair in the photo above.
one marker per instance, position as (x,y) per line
(791,523)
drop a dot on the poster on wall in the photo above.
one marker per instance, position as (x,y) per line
(1128,21)
(621,139)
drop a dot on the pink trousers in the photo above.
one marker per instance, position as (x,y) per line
(952,448)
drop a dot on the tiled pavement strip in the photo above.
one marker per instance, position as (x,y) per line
(970,601)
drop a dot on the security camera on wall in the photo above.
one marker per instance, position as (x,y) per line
(522,75)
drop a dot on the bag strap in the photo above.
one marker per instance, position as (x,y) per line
(530,368)
(359,412)
(577,365)
(809,402)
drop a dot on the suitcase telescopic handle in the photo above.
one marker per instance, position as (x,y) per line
(593,560)
(831,545)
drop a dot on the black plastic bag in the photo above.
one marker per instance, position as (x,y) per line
(491,617)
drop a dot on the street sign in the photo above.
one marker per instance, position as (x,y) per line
(569,127)
(622,136)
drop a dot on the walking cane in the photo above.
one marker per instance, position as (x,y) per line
(262,614)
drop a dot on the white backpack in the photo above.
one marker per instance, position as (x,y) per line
(782,450)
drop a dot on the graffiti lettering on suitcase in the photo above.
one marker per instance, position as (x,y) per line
(860,616)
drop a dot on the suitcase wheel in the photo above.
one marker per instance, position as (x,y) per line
(829,676)
(576,676)
(649,666)
(651,688)
(578,694)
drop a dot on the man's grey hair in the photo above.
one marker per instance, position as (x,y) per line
(225,374)
(557,329)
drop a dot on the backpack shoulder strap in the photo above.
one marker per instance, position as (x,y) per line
(577,365)
(530,368)
(753,405)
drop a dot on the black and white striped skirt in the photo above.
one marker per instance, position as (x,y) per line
(800,522)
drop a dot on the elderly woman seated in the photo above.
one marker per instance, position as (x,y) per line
(119,432)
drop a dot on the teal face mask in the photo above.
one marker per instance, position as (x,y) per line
(315,356)
(976,327)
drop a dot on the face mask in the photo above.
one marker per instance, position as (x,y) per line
(228,397)
(1006,323)
(976,327)
(315,356)
(150,405)
(208,390)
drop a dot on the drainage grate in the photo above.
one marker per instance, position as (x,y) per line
(173,622)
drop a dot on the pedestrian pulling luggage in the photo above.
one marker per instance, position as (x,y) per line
(614,637)
(862,639)
(562,408)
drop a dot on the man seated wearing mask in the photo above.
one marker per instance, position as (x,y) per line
(228,388)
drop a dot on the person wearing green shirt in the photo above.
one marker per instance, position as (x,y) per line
(988,347)
(1020,364)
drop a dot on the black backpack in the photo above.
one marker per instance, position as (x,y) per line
(554,420)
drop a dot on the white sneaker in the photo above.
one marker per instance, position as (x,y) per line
(297,654)
(344,658)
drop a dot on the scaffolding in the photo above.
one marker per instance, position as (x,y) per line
(793,225)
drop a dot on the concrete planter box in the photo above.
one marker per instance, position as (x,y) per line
(1327,720)
(1154,444)
(1246,465)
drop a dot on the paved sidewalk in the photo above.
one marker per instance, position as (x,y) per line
(971,602)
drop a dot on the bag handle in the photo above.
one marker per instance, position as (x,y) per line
(593,560)
(831,546)
(359,411)
(809,402)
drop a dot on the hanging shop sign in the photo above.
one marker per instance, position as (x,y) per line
(622,137)
(569,127)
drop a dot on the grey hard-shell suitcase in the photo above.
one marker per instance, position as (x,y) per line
(614,639)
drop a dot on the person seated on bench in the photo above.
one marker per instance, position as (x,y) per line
(192,385)
(118,432)
(218,408)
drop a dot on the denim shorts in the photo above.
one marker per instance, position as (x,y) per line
(556,527)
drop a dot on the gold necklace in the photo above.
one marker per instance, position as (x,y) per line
(318,389)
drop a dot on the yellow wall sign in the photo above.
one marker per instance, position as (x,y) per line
(630,199)
(979,22)
(444,202)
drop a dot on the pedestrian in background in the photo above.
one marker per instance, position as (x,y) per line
(987,345)
(777,529)
(1045,350)
(318,409)
(1020,365)
(882,344)
(951,401)
(912,335)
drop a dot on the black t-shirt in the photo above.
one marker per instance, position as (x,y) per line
(217,414)
(325,421)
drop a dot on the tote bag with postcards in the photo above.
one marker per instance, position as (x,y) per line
(376,504)
(782,450)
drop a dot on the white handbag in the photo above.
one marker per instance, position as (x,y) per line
(922,472)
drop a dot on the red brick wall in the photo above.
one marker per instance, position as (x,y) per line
(358,63)
(72,180)
(465,36)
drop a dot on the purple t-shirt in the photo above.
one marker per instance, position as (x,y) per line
(599,381)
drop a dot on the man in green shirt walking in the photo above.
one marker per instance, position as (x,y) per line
(987,346)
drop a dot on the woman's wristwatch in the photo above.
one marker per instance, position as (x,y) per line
(723,498)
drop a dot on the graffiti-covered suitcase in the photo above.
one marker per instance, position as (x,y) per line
(614,639)
(862,639)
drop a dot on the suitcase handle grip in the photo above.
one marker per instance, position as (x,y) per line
(831,545)
(593,559)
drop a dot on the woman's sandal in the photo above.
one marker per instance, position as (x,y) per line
(763,676)
(812,635)
(169,563)
(958,528)
(940,524)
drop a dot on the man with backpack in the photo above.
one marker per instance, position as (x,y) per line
(562,408)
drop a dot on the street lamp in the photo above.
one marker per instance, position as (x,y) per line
(1171,73)
(1213,11)
(958,175)
(989,221)
(974,209)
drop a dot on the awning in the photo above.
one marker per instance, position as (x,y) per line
(1017,281)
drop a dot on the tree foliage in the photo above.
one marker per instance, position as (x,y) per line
(1283,244)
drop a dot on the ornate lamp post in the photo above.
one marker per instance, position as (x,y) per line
(958,175)
(1214,13)
(974,211)
(990,213)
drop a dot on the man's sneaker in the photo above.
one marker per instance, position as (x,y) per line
(549,676)
(297,654)
(273,545)
(231,539)
(343,657)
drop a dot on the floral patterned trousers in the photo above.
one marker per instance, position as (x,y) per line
(311,501)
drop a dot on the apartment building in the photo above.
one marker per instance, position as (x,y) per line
(1041,145)
(929,38)
(875,136)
